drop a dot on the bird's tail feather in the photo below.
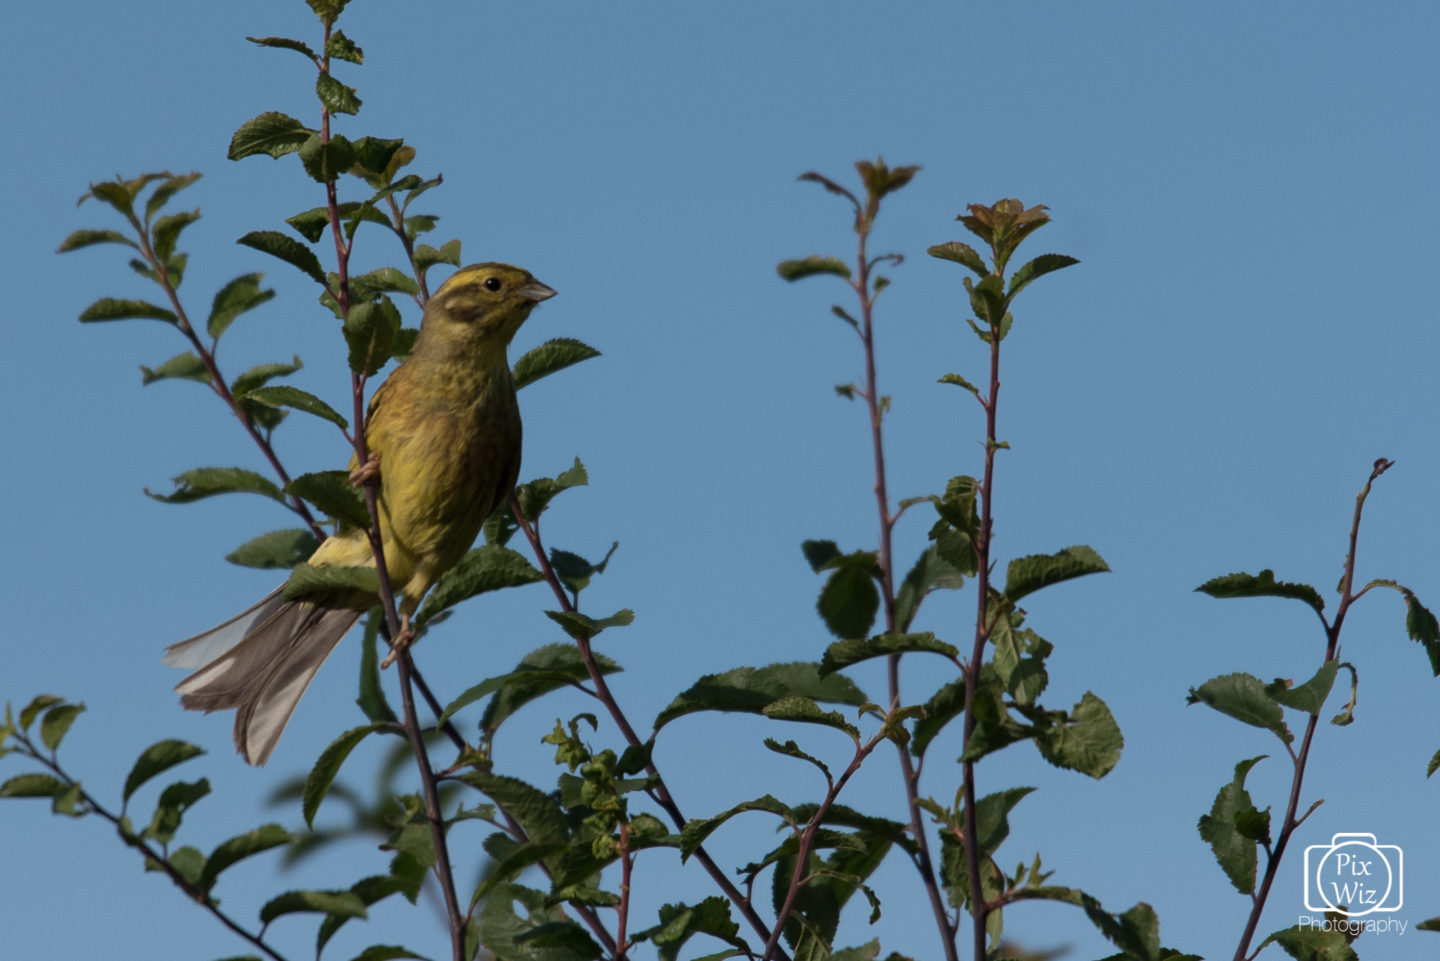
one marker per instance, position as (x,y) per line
(260,662)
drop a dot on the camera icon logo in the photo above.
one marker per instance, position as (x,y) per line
(1353,876)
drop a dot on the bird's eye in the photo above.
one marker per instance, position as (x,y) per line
(492,283)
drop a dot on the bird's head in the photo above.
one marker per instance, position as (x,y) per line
(480,306)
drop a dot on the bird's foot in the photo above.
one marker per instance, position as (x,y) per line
(401,642)
(370,470)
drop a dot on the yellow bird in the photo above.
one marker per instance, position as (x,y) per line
(444,433)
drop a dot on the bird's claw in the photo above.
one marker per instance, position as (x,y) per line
(366,472)
(401,642)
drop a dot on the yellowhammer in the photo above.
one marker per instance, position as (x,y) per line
(445,431)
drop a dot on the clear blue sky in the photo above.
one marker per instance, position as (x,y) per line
(1251,189)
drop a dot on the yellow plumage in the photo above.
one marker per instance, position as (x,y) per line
(445,431)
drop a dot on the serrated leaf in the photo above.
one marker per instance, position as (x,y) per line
(309,579)
(695,831)
(275,550)
(370,332)
(750,690)
(537,812)
(552,356)
(88,238)
(261,374)
(271,133)
(284,43)
(1234,851)
(33,785)
(287,249)
(1310,696)
(341,47)
(336,96)
(539,672)
(791,749)
(960,253)
(369,285)
(1026,575)
(332,492)
(1089,741)
(1039,267)
(486,568)
(158,757)
(579,625)
(238,848)
(174,801)
(283,395)
(327,766)
(1243,697)
(842,654)
(115,308)
(427,256)
(793,270)
(326,161)
(202,482)
(173,185)
(1262,585)
(183,366)
(849,602)
(166,233)
(373,156)
(944,706)
(235,298)
(344,903)
(807,711)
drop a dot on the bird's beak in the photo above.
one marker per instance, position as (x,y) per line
(535,292)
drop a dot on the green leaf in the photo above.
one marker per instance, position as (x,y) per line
(849,601)
(341,47)
(680,922)
(332,492)
(1308,944)
(427,256)
(160,756)
(1234,849)
(544,933)
(370,891)
(287,249)
(327,162)
(1423,628)
(806,710)
(1026,575)
(261,374)
(173,185)
(284,43)
(371,698)
(960,253)
(367,286)
(1039,267)
(750,690)
(793,270)
(174,801)
(327,766)
(535,496)
(944,706)
(114,308)
(932,571)
(842,654)
(791,749)
(183,366)
(487,568)
(553,355)
(309,579)
(579,625)
(1089,741)
(283,395)
(276,550)
(1310,696)
(31,711)
(693,835)
(235,298)
(33,785)
(89,238)
(373,156)
(370,332)
(238,848)
(387,952)
(539,672)
(1243,697)
(1262,585)
(270,133)
(345,903)
(538,813)
(166,233)
(335,96)
(202,482)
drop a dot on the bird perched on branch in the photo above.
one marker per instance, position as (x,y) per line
(443,432)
